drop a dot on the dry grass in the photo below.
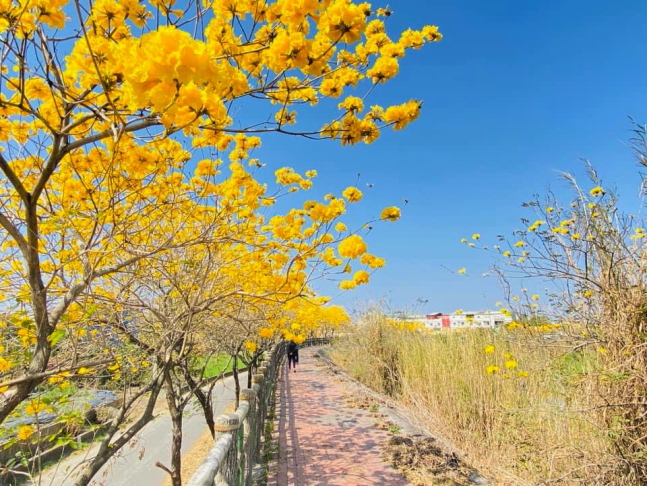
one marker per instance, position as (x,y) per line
(194,457)
(534,429)
(423,462)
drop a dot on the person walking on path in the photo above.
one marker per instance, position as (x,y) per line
(293,355)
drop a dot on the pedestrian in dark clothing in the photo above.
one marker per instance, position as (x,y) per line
(293,355)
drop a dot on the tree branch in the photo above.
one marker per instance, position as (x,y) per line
(63,369)
(15,234)
(106,133)
(13,179)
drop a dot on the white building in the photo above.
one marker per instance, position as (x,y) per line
(487,319)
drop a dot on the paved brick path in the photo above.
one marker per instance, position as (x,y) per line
(322,441)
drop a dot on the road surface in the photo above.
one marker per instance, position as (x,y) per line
(135,465)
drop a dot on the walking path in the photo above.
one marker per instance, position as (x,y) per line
(323,442)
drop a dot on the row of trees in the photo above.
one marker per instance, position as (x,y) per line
(130,251)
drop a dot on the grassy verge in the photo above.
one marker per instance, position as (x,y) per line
(217,365)
(516,404)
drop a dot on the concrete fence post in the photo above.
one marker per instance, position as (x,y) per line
(228,424)
(251,432)
(259,379)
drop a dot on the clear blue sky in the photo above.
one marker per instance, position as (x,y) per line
(515,92)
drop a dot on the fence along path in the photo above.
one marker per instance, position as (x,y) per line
(236,449)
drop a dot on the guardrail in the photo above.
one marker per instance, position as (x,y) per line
(237,445)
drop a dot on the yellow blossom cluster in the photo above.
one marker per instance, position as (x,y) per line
(507,362)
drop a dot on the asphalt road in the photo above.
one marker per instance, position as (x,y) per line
(135,464)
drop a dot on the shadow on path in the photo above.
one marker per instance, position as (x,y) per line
(321,441)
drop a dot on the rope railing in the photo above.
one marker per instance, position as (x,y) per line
(237,444)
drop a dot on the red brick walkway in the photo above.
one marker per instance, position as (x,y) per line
(322,441)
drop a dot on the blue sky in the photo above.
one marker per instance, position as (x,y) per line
(514,93)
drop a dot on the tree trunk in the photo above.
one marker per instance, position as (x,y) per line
(236,380)
(108,448)
(176,445)
(203,398)
(250,372)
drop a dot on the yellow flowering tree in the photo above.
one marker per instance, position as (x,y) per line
(97,126)
(113,138)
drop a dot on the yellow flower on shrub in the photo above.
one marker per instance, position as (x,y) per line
(476,236)
(519,244)
(602,350)
(347,285)
(462,271)
(492,369)
(550,209)
(250,346)
(34,407)
(340,227)
(511,364)
(535,226)
(597,191)
(588,293)
(391,213)
(535,297)
(458,311)
(511,326)
(489,349)
(463,240)
(25,432)
(506,254)
(4,364)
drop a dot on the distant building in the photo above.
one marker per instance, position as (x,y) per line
(464,320)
